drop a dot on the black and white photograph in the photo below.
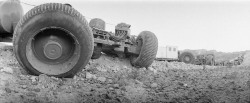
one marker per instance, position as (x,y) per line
(124,51)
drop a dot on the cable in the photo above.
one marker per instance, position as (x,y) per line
(84,16)
(27,4)
(111,24)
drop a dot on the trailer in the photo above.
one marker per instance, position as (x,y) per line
(55,39)
(171,53)
(167,53)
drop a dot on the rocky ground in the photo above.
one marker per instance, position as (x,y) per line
(110,79)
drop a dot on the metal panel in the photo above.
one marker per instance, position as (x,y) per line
(167,52)
(172,52)
(161,53)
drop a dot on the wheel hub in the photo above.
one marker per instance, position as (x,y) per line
(52,50)
(187,58)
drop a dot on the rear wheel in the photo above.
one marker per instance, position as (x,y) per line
(187,58)
(97,23)
(147,46)
(53,39)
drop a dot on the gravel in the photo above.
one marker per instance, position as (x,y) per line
(7,70)
(112,79)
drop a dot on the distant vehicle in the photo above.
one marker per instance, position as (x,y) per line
(238,60)
(205,59)
(171,53)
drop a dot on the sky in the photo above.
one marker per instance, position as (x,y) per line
(222,25)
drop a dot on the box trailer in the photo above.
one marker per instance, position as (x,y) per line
(169,53)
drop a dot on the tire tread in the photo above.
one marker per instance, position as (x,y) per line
(148,50)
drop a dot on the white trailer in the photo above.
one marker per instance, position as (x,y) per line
(169,53)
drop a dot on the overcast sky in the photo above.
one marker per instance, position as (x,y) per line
(222,25)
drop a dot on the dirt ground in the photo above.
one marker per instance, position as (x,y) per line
(112,80)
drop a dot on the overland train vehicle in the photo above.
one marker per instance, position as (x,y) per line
(56,40)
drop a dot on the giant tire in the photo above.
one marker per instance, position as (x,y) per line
(53,39)
(147,46)
(97,23)
(187,58)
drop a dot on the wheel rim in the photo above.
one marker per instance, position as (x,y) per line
(187,59)
(53,51)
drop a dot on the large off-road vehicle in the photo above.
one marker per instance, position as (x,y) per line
(141,50)
(55,39)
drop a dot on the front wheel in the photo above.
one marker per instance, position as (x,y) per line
(147,46)
(53,39)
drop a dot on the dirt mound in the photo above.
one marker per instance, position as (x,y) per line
(112,79)
(246,61)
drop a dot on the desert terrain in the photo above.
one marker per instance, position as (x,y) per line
(113,80)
